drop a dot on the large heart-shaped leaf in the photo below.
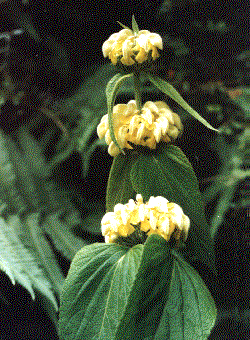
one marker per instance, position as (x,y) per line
(149,293)
(144,292)
(190,311)
(167,172)
(96,290)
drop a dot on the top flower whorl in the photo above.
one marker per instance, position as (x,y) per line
(128,47)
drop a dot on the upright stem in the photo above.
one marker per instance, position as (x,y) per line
(137,91)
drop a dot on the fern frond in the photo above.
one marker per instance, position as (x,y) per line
(20,263)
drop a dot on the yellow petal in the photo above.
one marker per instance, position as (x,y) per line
(120,108)
(157,132)
(142,40)
(127,61)
(152,220)
(148,116)
(145,226)
(121,137)
(139,199)
(167,113)
(125,33)
(151,106)
(177,121)
(156,40)
(164,124)
(133,124)
(113,58)
(113,150)
(127,48)
(161,203)
(164,228)
(141,56)
(155,53)
(140,132)
(151,142)
(173,132)
(108,139)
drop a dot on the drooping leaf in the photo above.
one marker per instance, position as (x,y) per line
(119,189)
(22,264)
(26,181)
(62,236)
(96,290)
(170,91)
(190,311)
(9,192)
(149,293)
(111,91)
(167,172)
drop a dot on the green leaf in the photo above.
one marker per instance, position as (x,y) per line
(111,92)
(167,172)
(22,264)
(170,91)
(61,234)
(134,25)
(119,189)
(123,26)
(190,311)
(149,293)
(96,290)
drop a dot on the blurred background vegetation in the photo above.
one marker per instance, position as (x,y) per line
(54,170)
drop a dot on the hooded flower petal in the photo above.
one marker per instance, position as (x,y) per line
(155,123)
(128,47)
(157,216)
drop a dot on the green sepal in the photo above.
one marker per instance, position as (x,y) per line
(135,25)
(167,172)
(111,93)
(123,26)
(170,91)
(119,189)
(149,293)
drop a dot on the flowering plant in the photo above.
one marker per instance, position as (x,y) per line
(140,283)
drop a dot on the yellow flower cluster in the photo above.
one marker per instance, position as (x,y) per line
(157,122)
(157,216)
(128,47)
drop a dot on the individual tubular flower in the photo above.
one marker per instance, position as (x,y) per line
(157,122)
(157,216)
(128,47)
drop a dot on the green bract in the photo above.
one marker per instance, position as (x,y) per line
(170,91)
(111,92)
